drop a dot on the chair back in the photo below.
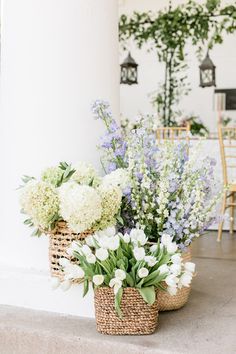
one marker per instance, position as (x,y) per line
(227,140)
(173,134)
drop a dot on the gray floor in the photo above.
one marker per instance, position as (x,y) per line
(207,324)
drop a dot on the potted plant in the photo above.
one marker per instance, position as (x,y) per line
(68,204)
(127,273)
(164,190)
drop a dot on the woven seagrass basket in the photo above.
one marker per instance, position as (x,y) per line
(166,302)
(137,316)
(59,240)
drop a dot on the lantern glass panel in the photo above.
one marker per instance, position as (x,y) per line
(207,76)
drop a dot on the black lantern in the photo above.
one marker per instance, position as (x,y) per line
(129,71)
(207,72)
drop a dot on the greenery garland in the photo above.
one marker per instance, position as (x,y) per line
(168,32)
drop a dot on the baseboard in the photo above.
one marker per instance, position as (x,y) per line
(31,288)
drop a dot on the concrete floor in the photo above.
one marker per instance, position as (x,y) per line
(207,324)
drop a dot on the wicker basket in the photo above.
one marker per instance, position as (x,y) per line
(166,302)
(137,316)
(60,239)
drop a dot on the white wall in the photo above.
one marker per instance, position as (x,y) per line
(134,99)
(57,57)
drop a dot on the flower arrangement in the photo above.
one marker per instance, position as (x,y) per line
(118,261)
(76,195)
(166,191)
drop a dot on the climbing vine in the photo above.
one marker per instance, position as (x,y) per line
(168,32)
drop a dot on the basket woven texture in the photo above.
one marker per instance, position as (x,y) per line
(166,302)
(60,239)
(137,316)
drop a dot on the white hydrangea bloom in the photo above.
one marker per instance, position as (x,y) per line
(52,175)
(86,174)
(80,206)
(118,178)
(40,202)
(111,202)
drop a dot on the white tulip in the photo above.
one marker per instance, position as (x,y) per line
(172,290)
(171,280)
(73,271)
(116,288)
(86,250)
(65,285)
(120,274)
(126,238)
(166,239)
(190,267)
(172,247)
(153,248)
(139,253)
(176,259)
(90,241)
(138,237)
(64,262)
(74,246)
(164,269)
(185,280)
(175,269)
(104,241)
(55,283)
(110,231)
(114,243)
(98,279)
(101,254)
(70,251)
(143,272)
(90,258)
(116,284)
(151,260)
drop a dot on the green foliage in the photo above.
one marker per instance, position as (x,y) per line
(68,171)
(148,294)
(168,32)
(123,259)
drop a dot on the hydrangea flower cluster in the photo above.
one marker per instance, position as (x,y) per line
(39,200)
(80,206)
(77,195)
(52,175)
(86,174)
(119,260)
(168,192)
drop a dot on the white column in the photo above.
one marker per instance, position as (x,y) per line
(57,57)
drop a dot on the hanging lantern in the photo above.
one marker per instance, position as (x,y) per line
(207,72)
(129,71)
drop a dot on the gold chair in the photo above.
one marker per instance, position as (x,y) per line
(173,133)
(227,140)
